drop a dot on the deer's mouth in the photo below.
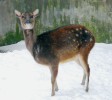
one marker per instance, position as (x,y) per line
(28,26)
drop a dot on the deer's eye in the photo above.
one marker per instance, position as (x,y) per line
(31,16)
(23,17)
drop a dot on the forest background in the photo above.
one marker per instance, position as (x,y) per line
(96,15)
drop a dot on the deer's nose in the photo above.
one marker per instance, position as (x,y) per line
(27,21)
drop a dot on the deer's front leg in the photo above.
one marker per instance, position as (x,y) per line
(56,86)
(54,72)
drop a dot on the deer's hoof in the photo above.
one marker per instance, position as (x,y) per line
(83,83)
(56,89)
(87,90)
(52,94)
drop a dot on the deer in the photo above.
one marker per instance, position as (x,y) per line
(55,46)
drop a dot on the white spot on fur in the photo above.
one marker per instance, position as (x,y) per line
(74,40)
(77,29)
(91,39)
(86,31)
(80,28)
(77,35)
(69,37)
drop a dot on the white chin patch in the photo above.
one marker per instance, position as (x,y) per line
(28,26)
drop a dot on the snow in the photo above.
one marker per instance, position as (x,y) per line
(17,46)
(21,78)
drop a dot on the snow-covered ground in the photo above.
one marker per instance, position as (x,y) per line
(21,78)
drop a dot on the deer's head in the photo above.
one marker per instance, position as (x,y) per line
(27,19)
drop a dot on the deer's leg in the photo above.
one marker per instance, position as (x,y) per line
(56,86)
(54,72)
(84,75)
(83,80)
(84,63)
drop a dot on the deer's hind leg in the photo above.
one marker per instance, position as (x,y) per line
(83,58)
(84,74)
(83,79)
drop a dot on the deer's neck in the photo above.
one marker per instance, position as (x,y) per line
(30,39)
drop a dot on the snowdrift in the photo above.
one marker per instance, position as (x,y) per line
(21,78)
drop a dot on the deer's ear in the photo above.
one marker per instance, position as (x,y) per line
(18,14)
(35,13)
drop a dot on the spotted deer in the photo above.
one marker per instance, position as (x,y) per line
(58,45)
